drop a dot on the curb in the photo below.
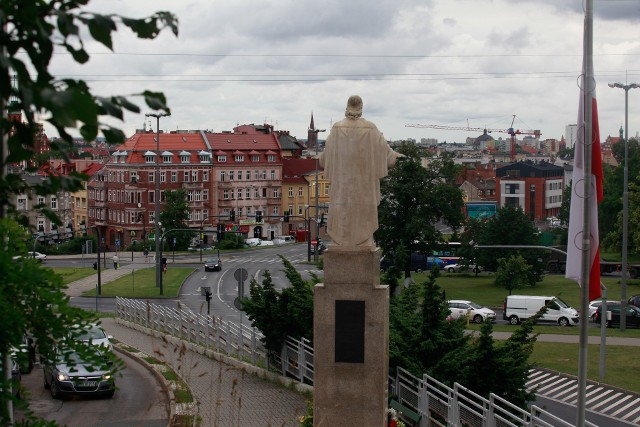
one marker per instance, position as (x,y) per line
(246,367)
(156,370)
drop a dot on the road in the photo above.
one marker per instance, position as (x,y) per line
(139,400)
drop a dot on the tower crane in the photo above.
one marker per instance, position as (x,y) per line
(511,131)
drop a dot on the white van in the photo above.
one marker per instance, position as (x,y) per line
(253,241)
(281,240)
(521,307)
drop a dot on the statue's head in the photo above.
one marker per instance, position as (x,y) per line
(354,107)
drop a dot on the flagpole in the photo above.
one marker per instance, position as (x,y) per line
(588,88)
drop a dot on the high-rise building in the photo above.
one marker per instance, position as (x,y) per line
(570,135)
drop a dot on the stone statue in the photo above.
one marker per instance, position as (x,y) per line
(356,157)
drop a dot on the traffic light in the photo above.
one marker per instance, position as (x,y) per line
(232,215)
(286,216)
(322,219)
(207,296)
(258,216)
(95,265)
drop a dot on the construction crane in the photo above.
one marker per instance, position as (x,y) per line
(511,131)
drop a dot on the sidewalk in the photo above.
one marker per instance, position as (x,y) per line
(226,395)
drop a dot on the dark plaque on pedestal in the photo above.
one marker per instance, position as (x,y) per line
(349,344)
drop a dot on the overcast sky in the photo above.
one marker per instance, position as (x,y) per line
(445,62)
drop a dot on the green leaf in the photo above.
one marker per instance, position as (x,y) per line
(79,55)
(124,102)
(100,28)
(156,100)
(110,108)
(114,135)
(89,132)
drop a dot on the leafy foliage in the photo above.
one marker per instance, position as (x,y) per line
(414,199)
(231,241)
(32,31)
(278,314)
(610,209)
(174,216)
(32,300)
(32,297)
(514,273)
(510,226)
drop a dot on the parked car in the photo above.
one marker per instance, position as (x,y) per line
(213,264)
(593,307)
(36,255)
(74,375)
(634,300)
(94,335)
(266,243)
(280,240)
(613,315)
(197,248)
(476,312)
(25,354)
(456,268)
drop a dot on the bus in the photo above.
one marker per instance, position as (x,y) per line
(448,252)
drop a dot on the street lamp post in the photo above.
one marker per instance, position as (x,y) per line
(157,198)
(625,201)
(315,253)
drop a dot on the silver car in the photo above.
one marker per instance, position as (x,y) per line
(73,375)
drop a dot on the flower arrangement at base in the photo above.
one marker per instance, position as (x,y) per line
(392,416)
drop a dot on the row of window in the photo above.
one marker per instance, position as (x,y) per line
(257,175)
(257,192)
(150,157)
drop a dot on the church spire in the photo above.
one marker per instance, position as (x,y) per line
(312,136)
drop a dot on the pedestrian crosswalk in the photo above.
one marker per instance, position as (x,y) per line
(601,398)
(299,261)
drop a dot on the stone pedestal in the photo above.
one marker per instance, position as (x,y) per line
(351,341)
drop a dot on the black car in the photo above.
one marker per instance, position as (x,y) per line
(635,300)
(632,316)
(213,264)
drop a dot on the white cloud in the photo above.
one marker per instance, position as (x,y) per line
(436,62)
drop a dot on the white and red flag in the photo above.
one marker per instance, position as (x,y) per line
(576,216)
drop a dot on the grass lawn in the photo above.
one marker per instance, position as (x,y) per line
(620,362)
(142,284)
(71,274)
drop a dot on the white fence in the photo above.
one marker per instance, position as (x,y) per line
(438,404)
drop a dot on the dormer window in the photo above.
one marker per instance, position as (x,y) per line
(205,156)
(271,158)
(149,157)
(185,156)
(167,157)
(255,158)
(222,159)
(239,158)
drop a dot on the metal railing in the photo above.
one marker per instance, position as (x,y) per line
(439,404)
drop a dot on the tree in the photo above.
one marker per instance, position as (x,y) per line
(32,300)
(31,32)
(514,273)
(31,297)
(510,226)
(278,314)
(414,200)
(438,335)
(175,215)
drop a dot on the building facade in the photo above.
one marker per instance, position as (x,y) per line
(536,188)
(231,179)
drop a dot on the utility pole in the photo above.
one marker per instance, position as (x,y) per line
(157,199)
